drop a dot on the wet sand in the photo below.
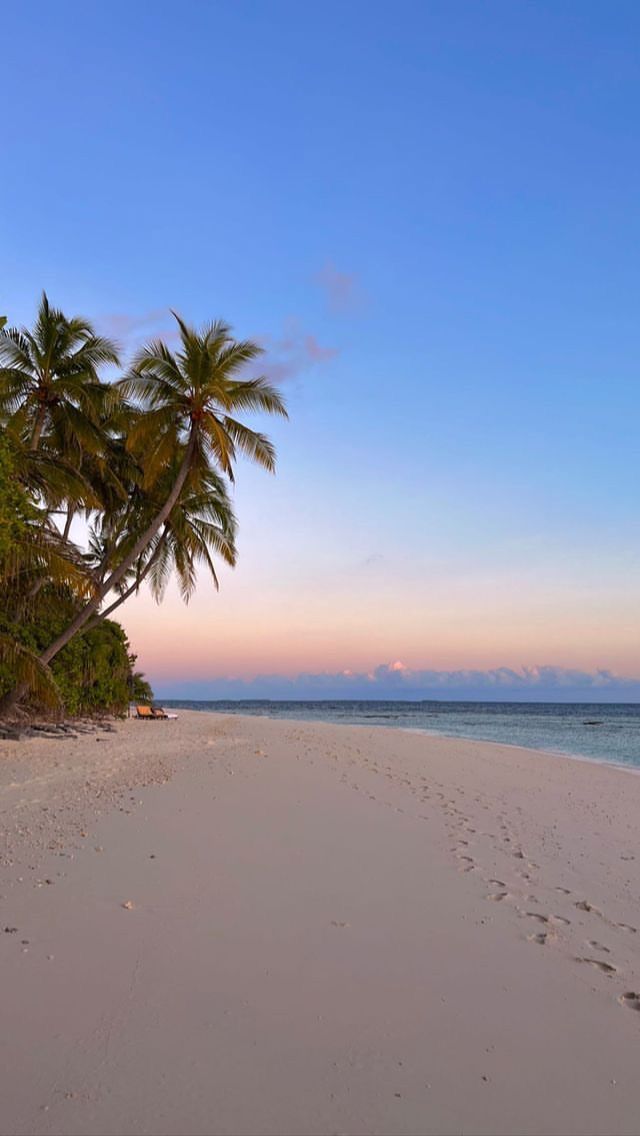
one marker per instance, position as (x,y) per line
(236,925)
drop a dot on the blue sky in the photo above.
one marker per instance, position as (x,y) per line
(428,213)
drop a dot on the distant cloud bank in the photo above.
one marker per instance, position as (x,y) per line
(396,681)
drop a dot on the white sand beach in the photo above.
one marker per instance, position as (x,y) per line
(236,925)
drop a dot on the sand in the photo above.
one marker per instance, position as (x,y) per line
(235,925)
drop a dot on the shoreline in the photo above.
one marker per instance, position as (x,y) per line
(418,731)
(582,757)
(336,930)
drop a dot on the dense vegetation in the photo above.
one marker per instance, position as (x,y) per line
(105,485)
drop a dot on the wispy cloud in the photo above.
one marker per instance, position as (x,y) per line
(295,352)
(397,681)
(286,356)
(132,330)
(342,290)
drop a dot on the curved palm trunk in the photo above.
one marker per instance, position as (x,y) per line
(118,573)
(90,609)
(130,591)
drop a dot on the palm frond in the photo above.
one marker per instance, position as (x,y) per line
(27,670)
(253,444)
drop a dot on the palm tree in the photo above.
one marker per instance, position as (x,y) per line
(179,415)
(51,376)
(188,403)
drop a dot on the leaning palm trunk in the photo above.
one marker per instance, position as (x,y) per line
(140,577)
(120,572)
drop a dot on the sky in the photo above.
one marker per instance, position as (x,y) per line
(428,215)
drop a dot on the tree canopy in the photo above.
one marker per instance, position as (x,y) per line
(106,485)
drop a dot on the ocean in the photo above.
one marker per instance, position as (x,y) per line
(601,732)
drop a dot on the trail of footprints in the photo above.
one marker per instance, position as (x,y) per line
(546,928)
(550,926)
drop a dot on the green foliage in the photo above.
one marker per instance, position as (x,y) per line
(145,462)
(14,504)
(93,673)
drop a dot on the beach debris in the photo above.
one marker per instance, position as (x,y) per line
(10,930)
(128,905)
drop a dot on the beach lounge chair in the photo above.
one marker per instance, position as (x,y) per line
(145,712)
(158,712)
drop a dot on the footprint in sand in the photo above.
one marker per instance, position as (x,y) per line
(556,920)
(631,1000)
(563,891)
(604,967)
(498,896)
(584,905)
(467,863)
(541,938)
(596,946)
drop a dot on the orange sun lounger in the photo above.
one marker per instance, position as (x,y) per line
(145,712)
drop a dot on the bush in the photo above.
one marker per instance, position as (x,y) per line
(94,672)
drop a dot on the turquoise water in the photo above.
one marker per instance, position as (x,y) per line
(602,732)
